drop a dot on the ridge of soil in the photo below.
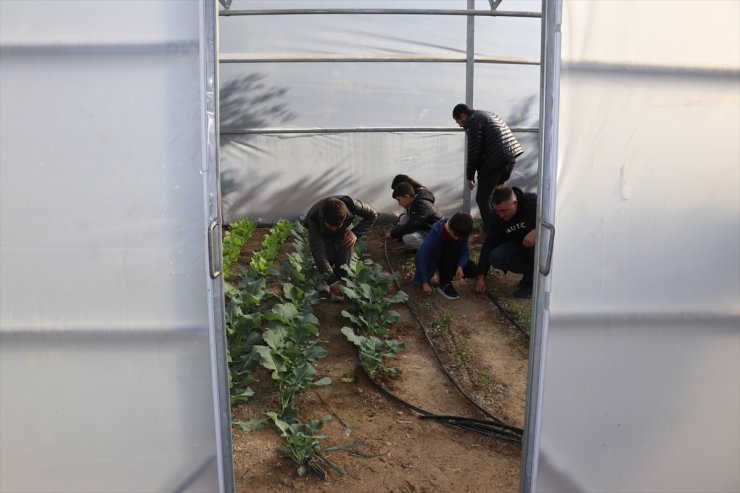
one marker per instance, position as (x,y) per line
(480,348)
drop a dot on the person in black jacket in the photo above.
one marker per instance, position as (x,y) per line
(420,215)
(332,236)
(492,152)
(509,243)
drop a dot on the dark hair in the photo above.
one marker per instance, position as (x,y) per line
(501,194)
(462,224)
(406,179)
(461,109)
(334,211)
(403,188)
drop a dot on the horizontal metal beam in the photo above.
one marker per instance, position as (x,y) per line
(405,57)
(54,332)
(478,13)
(281,131)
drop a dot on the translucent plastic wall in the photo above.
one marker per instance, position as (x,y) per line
(642,377)
(267,176)
(106,380)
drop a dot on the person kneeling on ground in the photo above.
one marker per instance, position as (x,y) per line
(421,214)
(332,237)
(509,243)
(446,249)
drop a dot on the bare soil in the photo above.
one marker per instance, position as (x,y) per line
(480,348)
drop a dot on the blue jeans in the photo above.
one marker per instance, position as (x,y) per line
(514,257)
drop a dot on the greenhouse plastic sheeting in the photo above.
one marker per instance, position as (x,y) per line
(642,376)
(258,170)
(106,375)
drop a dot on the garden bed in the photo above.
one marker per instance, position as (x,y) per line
(480,348)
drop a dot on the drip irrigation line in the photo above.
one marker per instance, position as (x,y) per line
(439,359)
(482,427)
(506,313)
(317,469)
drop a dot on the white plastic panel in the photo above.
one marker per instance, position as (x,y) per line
(303,167)
(642,377)
(106,376)
(347,95)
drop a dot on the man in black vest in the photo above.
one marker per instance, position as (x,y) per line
(492,152)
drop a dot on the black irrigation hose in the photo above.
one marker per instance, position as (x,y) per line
(476,425)
(439,360)
(506,314)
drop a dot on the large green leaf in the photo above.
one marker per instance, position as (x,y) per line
(314,353)
(366,291)
(351,293)
(352,337)
(395,345)
(355,320)
(276,337)
(399,297)
(252,424)
(391,316)
(284,312)
(271,361)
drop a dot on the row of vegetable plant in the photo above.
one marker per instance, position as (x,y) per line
(237,235)
(288,347)
(244,312)
(368,286)
(262,259)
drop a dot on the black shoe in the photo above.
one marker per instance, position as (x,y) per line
(523,292)
(448,291)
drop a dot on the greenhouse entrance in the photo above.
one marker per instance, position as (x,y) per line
(318,101)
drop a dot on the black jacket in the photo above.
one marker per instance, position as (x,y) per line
(422,215)
(515,229)
(491,144)
(314,221)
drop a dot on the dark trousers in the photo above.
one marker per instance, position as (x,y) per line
(336,253)
(486,184)
(514,257)
(448,263)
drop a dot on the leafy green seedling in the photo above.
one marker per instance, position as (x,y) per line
(373,351)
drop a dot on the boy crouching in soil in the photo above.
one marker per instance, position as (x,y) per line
(445,249)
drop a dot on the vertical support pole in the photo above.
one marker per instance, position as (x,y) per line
(212,193)
(549,107)
(469,80)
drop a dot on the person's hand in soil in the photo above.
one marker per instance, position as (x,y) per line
(426,288)
(349,239)
(458,273)
(388,237)
(480,284)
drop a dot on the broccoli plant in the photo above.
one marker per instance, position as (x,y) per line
(373,351)
(290,351)
(368,285)
(304,443)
